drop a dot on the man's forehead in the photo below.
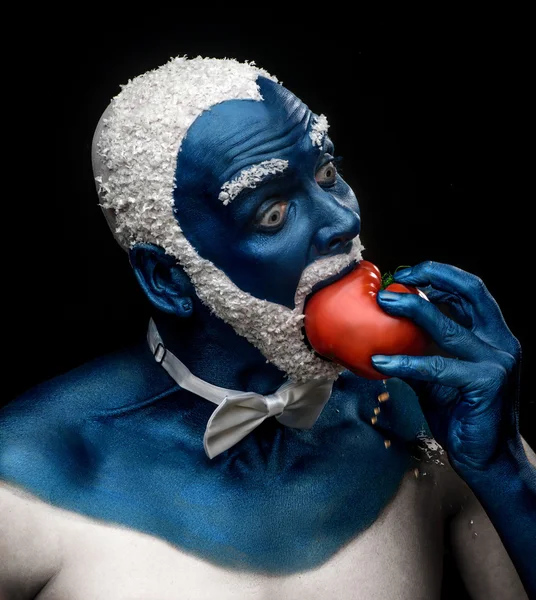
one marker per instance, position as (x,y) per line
(141,138)
(239,134)
(257,174)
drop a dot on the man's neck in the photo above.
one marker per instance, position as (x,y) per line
(213,351)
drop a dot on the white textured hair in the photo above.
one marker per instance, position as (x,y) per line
(135,151)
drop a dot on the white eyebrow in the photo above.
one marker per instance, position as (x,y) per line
(319,129)
(251,178)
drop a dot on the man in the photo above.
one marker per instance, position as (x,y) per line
(123,479)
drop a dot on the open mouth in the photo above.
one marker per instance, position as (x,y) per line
(318,286)
(329,280)
(325,271)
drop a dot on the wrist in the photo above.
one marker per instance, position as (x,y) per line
(510,463)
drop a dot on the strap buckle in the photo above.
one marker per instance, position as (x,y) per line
(159,353)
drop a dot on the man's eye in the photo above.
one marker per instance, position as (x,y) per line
(275,215)
(327,174)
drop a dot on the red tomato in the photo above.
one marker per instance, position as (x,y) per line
(345,323)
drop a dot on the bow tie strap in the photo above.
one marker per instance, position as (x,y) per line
(296,405)
(179,371)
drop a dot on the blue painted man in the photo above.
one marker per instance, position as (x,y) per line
(224,458)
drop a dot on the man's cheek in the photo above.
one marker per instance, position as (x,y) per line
(278,258)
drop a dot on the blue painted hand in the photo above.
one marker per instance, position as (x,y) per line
(468,395)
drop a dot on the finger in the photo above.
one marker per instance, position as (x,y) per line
(488,322)
(436,295)
(460,374)
(451,305)
(446,333)
(449,279)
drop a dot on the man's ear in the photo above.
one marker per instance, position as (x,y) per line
(162,279)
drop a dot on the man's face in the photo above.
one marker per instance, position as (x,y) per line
(266,236)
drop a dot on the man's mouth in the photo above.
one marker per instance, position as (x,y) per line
(329,280)
(318,286)
(325,271)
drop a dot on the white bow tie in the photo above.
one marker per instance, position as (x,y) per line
(295,405)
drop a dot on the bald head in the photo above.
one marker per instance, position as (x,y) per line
(139,136)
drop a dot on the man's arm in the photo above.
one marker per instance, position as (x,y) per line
(470,398)
(29,545)
(507,492)
(481,556)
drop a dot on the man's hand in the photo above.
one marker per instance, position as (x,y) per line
(470,398)
(469,394)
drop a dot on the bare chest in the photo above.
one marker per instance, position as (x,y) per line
(400,556)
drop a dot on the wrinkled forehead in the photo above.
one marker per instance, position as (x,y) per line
(236,134)
(185,131)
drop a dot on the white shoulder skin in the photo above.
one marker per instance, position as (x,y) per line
(30,547)
(484,565)
(52,554)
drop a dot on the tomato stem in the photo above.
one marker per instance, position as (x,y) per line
(388,278)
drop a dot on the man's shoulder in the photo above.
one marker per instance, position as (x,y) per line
(109,382)
(30,546)
(50,435)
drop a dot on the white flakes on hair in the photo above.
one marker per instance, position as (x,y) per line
(319,128)
(251,178)
(142,137)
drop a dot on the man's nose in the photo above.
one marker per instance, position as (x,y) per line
(342,224)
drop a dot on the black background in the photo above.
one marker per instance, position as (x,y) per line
(435,138)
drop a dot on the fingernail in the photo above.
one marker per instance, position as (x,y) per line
(386,296)
(402,274)
(381,360)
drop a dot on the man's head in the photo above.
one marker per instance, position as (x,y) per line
(223,169)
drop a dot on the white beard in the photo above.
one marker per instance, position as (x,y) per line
(275,330)
(135,151)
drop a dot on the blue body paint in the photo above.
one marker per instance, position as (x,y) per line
(119,441)
(320,220)
(470,397)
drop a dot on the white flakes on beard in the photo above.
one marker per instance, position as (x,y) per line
(275,330)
